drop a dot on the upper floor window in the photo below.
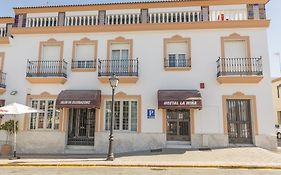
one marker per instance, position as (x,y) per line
(84,54)
(278,90)
(235,46)
(51,50)
(177,53)
(279,117)
(125,113)
(49,119)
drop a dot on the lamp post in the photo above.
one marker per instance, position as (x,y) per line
(113,80)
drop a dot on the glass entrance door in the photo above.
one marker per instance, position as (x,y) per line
(178,125)
(81,127)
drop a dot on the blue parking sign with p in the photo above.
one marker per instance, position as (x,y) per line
(150,113)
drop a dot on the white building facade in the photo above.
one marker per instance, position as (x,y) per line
(191,74)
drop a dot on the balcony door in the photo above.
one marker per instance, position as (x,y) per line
(235,49)
(50,60)
(120,61)
(177,54)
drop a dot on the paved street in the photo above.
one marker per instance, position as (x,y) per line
(135,171)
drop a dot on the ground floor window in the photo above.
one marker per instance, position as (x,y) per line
(125,113)
(49,119)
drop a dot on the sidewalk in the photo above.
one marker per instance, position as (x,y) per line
(249,157)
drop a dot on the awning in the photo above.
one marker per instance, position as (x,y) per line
(179,99)
(79,99)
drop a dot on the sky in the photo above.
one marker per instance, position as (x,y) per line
(273,9)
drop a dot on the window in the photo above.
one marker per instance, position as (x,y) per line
(125,115)
(278,90)
(85,55)
(51,53)
(120,58)
(279,117)
(49,119)
(235,49)
(177,54)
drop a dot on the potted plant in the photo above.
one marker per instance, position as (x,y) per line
(8,126)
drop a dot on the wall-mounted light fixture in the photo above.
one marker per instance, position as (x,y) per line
(14,92)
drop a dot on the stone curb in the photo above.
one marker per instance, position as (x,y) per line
(139,166)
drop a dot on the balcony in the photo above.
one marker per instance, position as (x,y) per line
(177,64)
(83,65)
(46,71)
(2,83)
(200,16)
(239,70)
(50,21)
(125,69)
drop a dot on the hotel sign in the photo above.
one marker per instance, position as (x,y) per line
(180,104)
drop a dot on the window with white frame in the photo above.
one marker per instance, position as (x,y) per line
(49,119)
(126,112)
(85,55)
(178,54)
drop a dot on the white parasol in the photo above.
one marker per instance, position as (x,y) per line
(16,109)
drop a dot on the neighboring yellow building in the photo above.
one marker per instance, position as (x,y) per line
(276,92)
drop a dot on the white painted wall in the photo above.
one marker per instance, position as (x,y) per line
(148,47)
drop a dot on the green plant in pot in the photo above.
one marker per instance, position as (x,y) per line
(8,126)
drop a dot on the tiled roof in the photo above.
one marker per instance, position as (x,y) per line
(109,3)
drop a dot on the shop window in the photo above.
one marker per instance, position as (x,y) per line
(49,119)
(125,113)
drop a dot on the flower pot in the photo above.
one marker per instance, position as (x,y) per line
(6,149)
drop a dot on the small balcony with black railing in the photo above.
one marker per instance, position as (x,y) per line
(2,82)
(126,69)
(46,71)
(83,65)
(239,70)
(181,64)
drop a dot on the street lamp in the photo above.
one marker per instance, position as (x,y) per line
(113,80)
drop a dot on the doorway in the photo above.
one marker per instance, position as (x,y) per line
(81,126)
(178,125)
(239,122)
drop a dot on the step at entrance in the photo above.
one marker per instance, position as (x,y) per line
(178,144)
(73,149)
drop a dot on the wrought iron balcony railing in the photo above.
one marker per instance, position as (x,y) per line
(239,66)
(122,67)
(85,64)
(46,68)
(177,63)
(2,80)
